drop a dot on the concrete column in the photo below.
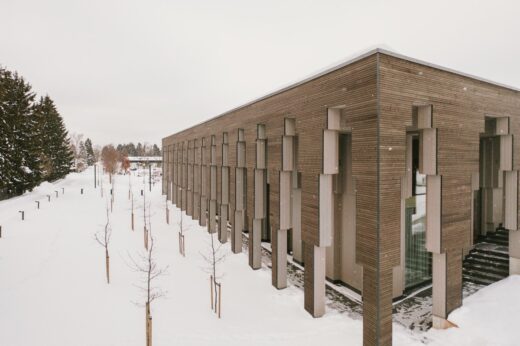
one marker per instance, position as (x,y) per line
(314,280)
(196,180)
(204,183)
(164,169)
(279,237)
(240,193)
(184,186)
(170,172)
(212,221)
(514,252)
(224,193)
(175,176)
(260,199)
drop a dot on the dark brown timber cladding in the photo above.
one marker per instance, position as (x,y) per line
(459,106)
(353,86)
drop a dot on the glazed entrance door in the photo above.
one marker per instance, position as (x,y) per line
(417,258)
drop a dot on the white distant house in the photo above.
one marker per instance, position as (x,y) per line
(145,159)
(135,161)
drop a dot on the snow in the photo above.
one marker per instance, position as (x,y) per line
(53,289)
(488,317)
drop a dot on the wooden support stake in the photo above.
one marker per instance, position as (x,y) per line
(167,216)
(37,204)
(81,190)
(219,298)
(132,221)
(107,262)
(150,330)
(211,289)
(148,325)
(23,214)
(0,231)
(145,238)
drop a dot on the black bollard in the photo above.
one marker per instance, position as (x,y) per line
(49,198)
(23,214)
(141,192)
(38,204)
(81,190)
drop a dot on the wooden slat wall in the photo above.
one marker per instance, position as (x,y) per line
(353,85)
(458,116)
(459,106)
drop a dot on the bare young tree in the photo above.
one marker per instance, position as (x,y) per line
(109,156)
(103,238)
(147,265)
(214,256)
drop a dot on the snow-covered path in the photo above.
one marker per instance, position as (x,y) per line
(53,289)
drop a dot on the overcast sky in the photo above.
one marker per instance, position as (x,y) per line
(133,70)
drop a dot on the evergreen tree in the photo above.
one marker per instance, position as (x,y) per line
(90,152)
(57,155)
(156,151)
(20,145)
(5,138)
(139,150)
(131,149)
(81,161)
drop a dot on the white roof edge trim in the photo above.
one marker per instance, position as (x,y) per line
(347,62)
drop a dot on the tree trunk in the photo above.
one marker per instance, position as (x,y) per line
(107,262)
(219,298)
(211,290)
(148,325)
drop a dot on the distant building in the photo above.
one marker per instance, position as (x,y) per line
(383,173)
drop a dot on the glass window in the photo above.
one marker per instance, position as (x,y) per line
(418,260)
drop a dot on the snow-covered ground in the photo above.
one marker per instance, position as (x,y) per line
(53,289)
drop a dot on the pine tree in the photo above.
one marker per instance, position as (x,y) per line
(20,146)
(156,150)
(57,155)
(5,138)
(90,152)
(139,150)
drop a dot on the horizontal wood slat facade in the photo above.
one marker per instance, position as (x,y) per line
(376,99)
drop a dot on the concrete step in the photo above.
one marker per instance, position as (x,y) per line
(470,260)
(487,268)
(483,275)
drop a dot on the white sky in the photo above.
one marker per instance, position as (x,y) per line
(132,70)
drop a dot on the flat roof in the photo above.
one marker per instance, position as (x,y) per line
(346,62)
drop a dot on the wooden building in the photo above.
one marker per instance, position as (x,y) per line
(380,173)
